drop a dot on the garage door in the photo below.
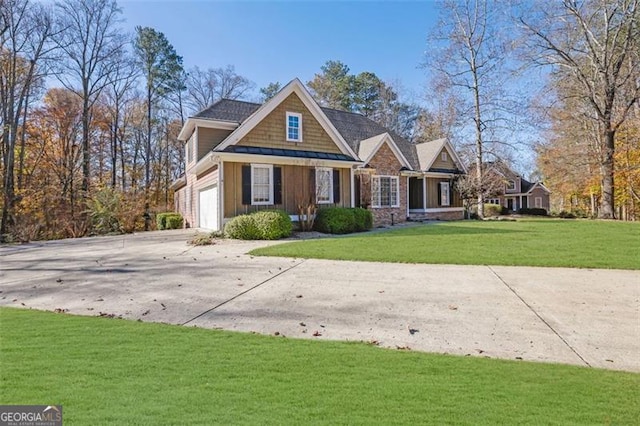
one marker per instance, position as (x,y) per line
(208,208)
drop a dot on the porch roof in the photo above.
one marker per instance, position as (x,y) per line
(295,153)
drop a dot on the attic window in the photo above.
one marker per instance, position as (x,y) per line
(511,185)
(294,127)
(443,156)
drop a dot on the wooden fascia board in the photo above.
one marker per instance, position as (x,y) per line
(191,124)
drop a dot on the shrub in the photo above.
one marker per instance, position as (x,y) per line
(242,227)
(566,215)
(273,224)
(335,220)
(363,219)
(169,220)
(202,239)
(103,208)
(534,211)
(492,210)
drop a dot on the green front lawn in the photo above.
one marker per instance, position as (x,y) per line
(109,371)
(543,242)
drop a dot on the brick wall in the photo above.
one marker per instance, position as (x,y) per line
(386,164)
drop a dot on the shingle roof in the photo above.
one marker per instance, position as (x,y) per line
(228,110)
(241,149)
(352,126)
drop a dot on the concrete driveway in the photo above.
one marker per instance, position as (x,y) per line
(574,316)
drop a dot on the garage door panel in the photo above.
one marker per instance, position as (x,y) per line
(208,208)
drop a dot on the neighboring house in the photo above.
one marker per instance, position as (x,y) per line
(289,152)
(518,192)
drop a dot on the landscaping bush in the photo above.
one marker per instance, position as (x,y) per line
(363,219)
(492,210)
(169,220)
(534,211)
(242,227)
(262,225)
(273,224)
(566,215)
(335,220)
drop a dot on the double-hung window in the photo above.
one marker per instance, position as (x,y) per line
(511,185)
(384,191)
(294,127)
(261,184)
(445,195)
(324,185)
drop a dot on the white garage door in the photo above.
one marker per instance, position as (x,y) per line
(208,210)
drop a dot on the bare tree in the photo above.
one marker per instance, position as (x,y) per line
(92,43)
(205,87)
(596,44)
(472,65)
(25,46)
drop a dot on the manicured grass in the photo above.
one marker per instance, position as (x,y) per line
(565,243)
(109,371)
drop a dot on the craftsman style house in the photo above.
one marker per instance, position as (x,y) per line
(290,152)
(518,193)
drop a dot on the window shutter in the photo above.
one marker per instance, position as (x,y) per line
(277,185)
(246,185)
(336,186)
(439,193)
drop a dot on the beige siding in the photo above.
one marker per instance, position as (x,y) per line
(209,139)
(439,164)
(539,192)
(270,132)
(433,202)
(188,196)
(296,189)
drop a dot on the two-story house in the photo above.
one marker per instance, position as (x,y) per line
(289,152)
(518,192)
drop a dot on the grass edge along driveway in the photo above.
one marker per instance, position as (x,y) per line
(110,371)
(541,242)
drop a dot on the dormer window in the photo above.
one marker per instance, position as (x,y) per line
(294,127)
(511,185)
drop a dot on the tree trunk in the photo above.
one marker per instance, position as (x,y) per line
(607,203)
(147,165)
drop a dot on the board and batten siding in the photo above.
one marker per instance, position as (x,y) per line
(439,164)
(270,132)
(296,188)
(433,194)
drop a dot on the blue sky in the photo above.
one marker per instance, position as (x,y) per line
(279,40)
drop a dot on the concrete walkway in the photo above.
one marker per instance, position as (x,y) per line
(574,316)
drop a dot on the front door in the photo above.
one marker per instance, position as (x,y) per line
(510,204)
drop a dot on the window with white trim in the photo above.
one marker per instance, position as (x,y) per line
(537,202)
(294,127)
(324,185)
(493,201)
(511,185)
(445,196)
(444,156)
(385,191)
(261,184)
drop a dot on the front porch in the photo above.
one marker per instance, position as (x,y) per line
(434,198)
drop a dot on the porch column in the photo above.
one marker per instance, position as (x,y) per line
(424,193)
(353,186)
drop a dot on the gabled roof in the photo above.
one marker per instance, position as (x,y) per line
(428,152)
(355,134)
(369,147)
(294,86)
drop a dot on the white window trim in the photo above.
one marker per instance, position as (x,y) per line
(442,192)
(536,204)
(444,156)
(373,195)
(294,114)
(262,166)
(325,170)
(514,185)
